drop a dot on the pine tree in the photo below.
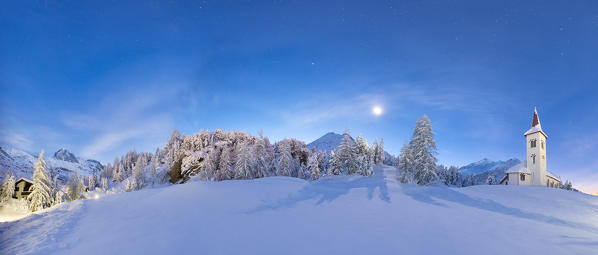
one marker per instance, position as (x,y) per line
(380,154)
(312,166)
(375,151)
(41,195)
(405,167)
(347,154)
(138,175)
(8,187)
(336,165)
(284,159)
(423,149)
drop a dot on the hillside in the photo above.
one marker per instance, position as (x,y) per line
(334,215)
(62,161)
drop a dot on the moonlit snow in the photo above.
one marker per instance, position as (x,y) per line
(333,215)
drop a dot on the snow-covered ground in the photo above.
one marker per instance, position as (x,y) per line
(339,215)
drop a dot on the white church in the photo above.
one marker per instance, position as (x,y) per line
(533,171)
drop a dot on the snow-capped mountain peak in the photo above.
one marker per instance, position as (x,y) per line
(65,155)
(64,163)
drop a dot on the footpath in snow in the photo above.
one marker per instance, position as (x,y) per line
(333,215)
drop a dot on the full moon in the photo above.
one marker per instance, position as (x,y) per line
(377,110)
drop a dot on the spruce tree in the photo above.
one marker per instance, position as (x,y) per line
(8,187)
(423,149)
(405,167)
(312,166)
(42,190)
(336,165)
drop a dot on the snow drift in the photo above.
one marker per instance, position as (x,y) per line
(333,215)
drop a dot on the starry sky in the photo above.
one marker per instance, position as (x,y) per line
(103,77)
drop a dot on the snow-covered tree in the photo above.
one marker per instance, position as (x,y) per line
(380,155)
(244,167)
(104,183)
(42,189)
(405,167)
(567,185)
(262,160)
(423,149)
(468,180)
(138,173)
(491,180)
(323,162)
(74,187)
(285,160)
(336,165)
(347,154)
(312,166)
(225,171)
(121,173)
(130,185)
(361,156)
(92,182)
(174,155)
(8,187)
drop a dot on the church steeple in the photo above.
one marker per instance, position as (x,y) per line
(536,126)
(536,120)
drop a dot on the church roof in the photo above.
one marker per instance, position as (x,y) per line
(519,168)
(536,126)
(552,175)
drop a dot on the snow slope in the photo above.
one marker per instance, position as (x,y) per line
(338,215)
(63,161)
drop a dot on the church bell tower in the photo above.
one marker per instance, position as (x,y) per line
(536,151)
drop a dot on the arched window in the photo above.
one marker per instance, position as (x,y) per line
(522,177)
(533,158)
(532,143)
(542,143)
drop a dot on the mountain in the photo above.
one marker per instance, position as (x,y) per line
(329,141)
(64,163)
(481,169)
(353,214)
(65,155)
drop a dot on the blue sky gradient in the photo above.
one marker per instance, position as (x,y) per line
(101,78)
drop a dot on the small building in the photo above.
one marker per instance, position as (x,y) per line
(533,170)
(22,188)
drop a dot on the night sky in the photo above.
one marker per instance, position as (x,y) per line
(101,78)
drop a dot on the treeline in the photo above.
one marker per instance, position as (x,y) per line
(220,155)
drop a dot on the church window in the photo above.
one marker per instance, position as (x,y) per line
(522,177)
(542,143)
(533,143)
(533,158)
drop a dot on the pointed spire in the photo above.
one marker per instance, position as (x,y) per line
(536,120)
